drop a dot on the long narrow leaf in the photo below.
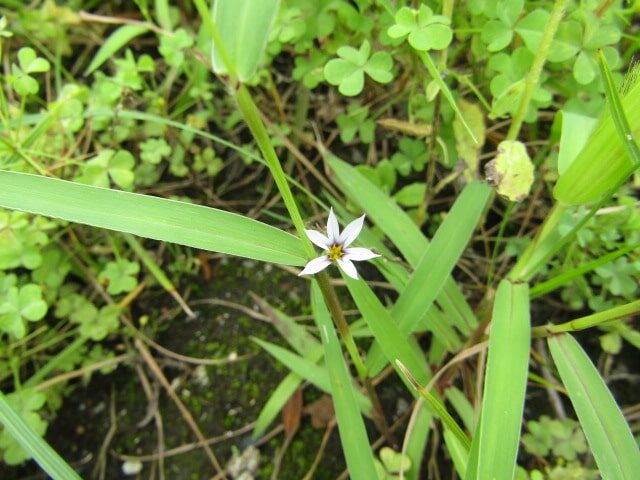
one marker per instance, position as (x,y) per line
(33,443)
(118,39)
(393,343)
(437,263)
(607,432)
(505,382)
(152,217)
(314,374)
(353,434)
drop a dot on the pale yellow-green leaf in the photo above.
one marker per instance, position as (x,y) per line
(511,172)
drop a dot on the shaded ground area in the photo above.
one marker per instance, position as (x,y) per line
(222,399)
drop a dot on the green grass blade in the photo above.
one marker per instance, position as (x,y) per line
(568,276)
(398,227)
(417,443)
(353,434)
(118,39)
(34,444)
(395,345)
(609,156)
(437,77)
(302,342)
(505,382)
(437,407)
(310,371)
(624,130)
(437,263)
(152,217)
(607,432)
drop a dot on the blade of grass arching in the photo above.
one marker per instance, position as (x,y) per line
(505,382)
(397,226)
(624,130)
(462,406)
(353,434)
(34,444)
(310,371)
(436,406)
(280,395)
(295,334)
(118,39)
(302,342)
(157,272)
(395,345)
(152,217)
(567,276)
(606,429)
(437,263)
(437,77)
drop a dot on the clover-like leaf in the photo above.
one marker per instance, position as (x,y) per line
(424,30)
(154,150)
(109,164)
(348,71)
(172,46)
(120,276)
(20,304)
(356,121)
(26,403)
(498,33)
(310,70)
(95,324)
(30,62)
(411,195)
(412,154)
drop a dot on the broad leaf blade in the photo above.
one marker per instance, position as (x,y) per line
(607,432)
(244,27)
(152,217)
(505,382)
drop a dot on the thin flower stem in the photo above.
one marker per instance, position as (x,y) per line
(252,117)
(333,304)
(536,67)
(613,314)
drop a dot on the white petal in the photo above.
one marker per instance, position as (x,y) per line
(358,254)
(348,267)
(318,239)
(351,231)
(333,229)
(315,265)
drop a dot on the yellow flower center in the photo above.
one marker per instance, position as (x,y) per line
(335,252)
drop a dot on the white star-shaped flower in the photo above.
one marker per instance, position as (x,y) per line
(336,247)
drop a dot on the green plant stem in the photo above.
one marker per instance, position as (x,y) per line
(252,117)
(539,60)
(333,304)
(594,320)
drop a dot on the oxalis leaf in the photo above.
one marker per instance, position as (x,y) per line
(348,71)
